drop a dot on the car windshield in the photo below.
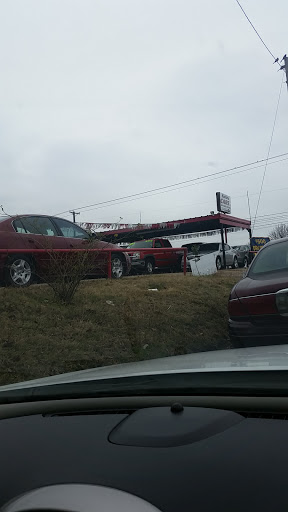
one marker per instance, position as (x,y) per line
(209,248)
(273,258)
(141,245)
(136,190)
(192,247)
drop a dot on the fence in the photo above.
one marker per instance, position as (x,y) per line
(108,251)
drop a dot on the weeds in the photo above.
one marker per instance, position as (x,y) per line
(41,336)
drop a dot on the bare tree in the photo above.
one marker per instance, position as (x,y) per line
(64,271)
(280,231)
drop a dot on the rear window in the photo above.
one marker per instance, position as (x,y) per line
(141,245)
(271,259)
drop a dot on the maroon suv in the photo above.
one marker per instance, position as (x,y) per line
(258,304)
(35,232)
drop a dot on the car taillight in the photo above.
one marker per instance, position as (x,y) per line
(235,308)
(282,301)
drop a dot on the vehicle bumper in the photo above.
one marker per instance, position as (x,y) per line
(138,264)
(188,266)
(128,264)
(246,333)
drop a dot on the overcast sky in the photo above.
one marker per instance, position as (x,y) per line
(104,98)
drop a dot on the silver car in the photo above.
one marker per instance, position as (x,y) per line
(200,249)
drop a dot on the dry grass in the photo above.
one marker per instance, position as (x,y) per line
(41,337)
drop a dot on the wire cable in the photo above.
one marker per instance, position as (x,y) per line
(256,31)
(269,149)
(174,184)
(179,188)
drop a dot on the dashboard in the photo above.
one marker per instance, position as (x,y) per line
(174,457)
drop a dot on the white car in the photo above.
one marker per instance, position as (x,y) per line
(200,249)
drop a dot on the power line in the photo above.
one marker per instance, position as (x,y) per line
(269,149)
(256,31)
(263,226)
(276,214)
(176,184)
(179,188)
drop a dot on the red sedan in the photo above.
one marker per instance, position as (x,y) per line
(36,232)
(258,304)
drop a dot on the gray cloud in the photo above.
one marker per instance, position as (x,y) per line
(101,99)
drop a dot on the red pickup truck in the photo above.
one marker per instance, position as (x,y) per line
(147,261)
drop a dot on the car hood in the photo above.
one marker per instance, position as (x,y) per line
(254,358)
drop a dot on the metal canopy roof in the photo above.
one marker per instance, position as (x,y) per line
(130,233)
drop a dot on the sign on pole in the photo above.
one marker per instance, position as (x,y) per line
(223,202)
(257,242)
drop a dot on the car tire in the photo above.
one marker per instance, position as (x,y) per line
(19,271)
(218,263)
(235,262)
(149,266)
(117,266)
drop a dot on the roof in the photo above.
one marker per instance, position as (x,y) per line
(130,233)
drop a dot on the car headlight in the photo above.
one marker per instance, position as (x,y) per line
(136,256)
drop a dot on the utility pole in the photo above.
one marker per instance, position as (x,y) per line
(74,215)
(248,201)
(284,67)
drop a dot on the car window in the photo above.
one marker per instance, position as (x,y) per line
(166,243)
(158,244)
(18,226)
(209,247)
(271,259)
(227,247)
(38,226)
(70,230)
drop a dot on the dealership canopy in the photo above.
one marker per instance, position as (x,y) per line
(126,233)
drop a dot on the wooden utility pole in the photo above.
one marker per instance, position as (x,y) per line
(74,215)
(285,59)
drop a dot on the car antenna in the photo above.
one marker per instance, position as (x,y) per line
(1,206)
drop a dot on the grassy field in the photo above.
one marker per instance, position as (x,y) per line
(111,322)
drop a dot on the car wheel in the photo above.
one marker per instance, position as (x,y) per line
(19,271)
(149,266)
(245,262)
(235,263)
(218,263)
(117,267)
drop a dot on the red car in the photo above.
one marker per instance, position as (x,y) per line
(50,233)
(258,304)
(148,261)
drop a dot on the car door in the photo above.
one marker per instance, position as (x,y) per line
(39,232)
(170,257)
(160,256)
(78,238)
(229,253)
(74,236)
